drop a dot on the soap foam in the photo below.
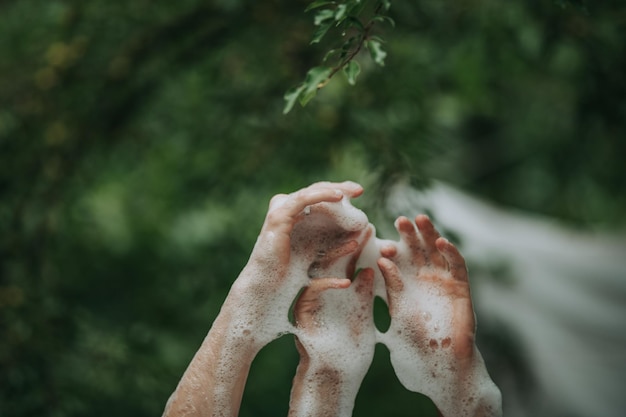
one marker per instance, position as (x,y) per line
(422,351)
(341,347)
(321,229)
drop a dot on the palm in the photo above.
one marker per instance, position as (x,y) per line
(337,325)
(432,324)
(444,311)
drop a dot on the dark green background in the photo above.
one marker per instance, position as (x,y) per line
(141,141)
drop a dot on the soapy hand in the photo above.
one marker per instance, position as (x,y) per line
(301,232)
(256,309)
(431,336)
(272,252)
(313,239)
(428,291)
(335,339)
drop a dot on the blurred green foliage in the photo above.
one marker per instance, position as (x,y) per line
(354,21)
(140,143)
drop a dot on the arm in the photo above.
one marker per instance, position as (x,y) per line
(432,331)
(214,381)
(255,310)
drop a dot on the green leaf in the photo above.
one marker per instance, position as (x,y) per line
(352,70)
(329,54)
(355,7)
(385,19)
(349,43)
(353,21)
(386,4)
(291,96)
(340,12)
(320,32)
(345,48)
(376,51)
(312,81)
(323,16)
(317,4)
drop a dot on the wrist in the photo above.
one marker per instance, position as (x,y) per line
(478,384)
(474,393)
(233,334)
(214,381)
(321,389)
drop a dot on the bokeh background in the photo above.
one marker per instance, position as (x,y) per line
(140,142)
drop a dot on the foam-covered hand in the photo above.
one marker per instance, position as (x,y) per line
(335,339)
(431,336)
(300,229)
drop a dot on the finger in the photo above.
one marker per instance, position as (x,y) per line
(349,188)
(299,200)
(408,234)
(327,259)
(311,293)
(309,301)
(389,250)
(284,211)
(277,200)
(304,355)
(364,285)
(393,280)
(319,285)
(315,193)
(345,249)
(455,260)
(429,236)
(351,268)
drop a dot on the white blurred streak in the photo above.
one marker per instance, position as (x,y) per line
(565,298)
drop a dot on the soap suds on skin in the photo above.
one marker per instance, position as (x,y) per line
(327,227)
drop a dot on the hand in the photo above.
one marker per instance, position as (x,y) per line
(431,336)
(299,231)
(256,309)
(335,339)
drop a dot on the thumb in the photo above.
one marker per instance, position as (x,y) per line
(308,303)
(364,284)
(393,279)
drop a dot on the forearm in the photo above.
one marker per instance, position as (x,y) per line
(321,390)
(214,381)
(484,402)
(474,394)
(457,387)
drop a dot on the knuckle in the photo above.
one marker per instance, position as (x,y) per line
(278,199)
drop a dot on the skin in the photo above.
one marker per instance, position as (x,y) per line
(433,327)
(214,381)
(334,316)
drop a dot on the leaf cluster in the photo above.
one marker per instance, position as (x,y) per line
(355,32)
